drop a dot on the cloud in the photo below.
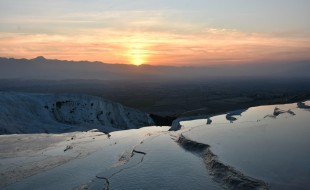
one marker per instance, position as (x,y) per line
(157,37)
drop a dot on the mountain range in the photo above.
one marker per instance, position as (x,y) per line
(53,69)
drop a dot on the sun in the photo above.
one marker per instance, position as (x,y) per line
(138,61)
(138,52)
(137,57)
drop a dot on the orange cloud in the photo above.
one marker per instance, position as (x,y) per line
(208,46)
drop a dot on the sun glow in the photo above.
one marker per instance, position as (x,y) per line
(137,61)
(207,47)
(137,54)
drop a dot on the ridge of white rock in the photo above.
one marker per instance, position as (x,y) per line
(55,113)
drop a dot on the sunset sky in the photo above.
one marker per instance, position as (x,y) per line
(157,32)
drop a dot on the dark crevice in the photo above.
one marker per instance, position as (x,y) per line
(108,177)
(102,180)
(107,183)
(129,167)
(138,152)
(226,176)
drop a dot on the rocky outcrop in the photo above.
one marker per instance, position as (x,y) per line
(277,111)
(302,105)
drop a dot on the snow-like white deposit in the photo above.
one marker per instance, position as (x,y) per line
(55,113)
(264,148)
(146,158)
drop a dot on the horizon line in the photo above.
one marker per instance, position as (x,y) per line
(151,65)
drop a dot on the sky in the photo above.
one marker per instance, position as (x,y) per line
(157,32)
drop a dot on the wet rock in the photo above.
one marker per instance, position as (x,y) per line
(68,147)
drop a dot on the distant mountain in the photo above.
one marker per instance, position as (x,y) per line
(47,69)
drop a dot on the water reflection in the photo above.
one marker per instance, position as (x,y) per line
(271,149)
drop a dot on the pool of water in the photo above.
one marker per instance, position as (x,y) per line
(272,149)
